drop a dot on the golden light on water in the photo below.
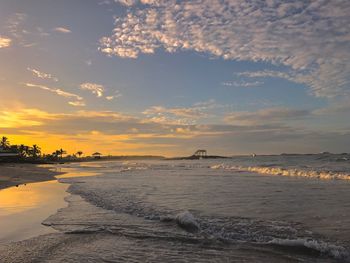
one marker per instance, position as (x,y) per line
(25,197)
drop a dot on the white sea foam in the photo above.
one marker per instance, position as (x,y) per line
(187,221)
(328,175)
(324,248)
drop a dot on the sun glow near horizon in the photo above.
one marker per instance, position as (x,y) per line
(169,77)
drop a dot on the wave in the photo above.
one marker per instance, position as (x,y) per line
(327,175)
(100,214)
(324,248)
(187,221)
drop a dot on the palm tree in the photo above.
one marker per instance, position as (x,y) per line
(36,151)
(56,154)
(23,150)
(59,153)
(79,153)
(4,143)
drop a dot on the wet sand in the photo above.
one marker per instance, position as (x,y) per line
(24,208)
(18,174)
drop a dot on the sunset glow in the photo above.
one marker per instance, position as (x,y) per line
(168,77)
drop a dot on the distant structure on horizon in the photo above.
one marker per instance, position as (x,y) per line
(200,153)
(97,155)
(8,155)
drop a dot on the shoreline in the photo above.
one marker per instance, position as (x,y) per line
(15,174)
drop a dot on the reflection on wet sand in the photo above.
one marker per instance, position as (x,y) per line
(71,174)
(23,208)
(68,172)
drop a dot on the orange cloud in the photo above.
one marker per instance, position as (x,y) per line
(5,42)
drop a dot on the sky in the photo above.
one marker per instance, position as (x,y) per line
(168,77)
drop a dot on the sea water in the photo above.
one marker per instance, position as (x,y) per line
(243,209)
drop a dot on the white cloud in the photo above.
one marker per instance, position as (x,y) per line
(96,89)
(244,84)
(311,38)
(133,2)
(77,100)
(42,75)
(5,42)
(126,2)
(77,103)
(62,30)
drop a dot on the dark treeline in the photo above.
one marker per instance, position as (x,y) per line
(23,152)
(33,154)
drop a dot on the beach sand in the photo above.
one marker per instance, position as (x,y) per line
(17,174)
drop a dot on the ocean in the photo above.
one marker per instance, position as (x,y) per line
(287,208)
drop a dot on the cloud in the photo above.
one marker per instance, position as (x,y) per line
(116,95)
(22,32)
(269,115)
(320,86)
(42,75)
(15,25)
(99,90)
(23,118)
(266,74)
(310,38)
(5,42)
(27,117)
(188,115)
(104,2)
(117,132)
(126,2)
(96,89)
(133,2)
(198,112)
(77,100)
(77,103)
(181,112)
(340,107)
(62,30)
(244,84)
(41,32)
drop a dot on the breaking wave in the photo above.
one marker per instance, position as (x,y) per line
(327,175)
(162,202)
(321,247)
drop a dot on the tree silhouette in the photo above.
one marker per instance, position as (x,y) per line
(4,143)
(60,152)
(23,150)
(35,151)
